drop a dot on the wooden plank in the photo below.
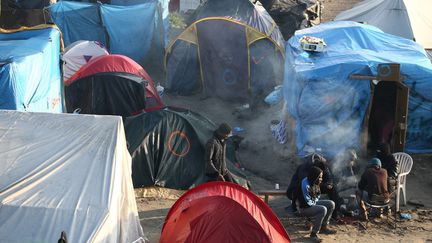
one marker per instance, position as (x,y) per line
(267,193)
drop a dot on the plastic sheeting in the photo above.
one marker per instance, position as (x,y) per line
(136,31)
(165,12)
(406,18)
(167,148)
(329,108)
(78,21)
(221,212)
(63,172)
(29,70)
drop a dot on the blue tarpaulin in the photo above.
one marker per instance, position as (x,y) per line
(329,108)
(78,21)
(165,12)
(30,70)
(133,30)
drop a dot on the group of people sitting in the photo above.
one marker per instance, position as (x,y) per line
(314,177)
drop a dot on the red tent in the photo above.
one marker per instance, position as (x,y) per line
(221,212)
(120,64)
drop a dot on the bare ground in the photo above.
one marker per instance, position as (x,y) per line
(268,162)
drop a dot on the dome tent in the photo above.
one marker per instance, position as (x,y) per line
(245,58)
(111,85)
(221,212)
(79,53)
(167,148)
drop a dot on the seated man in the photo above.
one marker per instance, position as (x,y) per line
(327,186)
(307,194)
(374,182)
(389,163)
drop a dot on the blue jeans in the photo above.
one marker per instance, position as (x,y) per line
(321,212)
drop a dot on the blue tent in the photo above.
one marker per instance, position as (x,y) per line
(30,77)
(135,31)
(329,108)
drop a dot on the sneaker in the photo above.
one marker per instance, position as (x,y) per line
(314,238)
(327,231)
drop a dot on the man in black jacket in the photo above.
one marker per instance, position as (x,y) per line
(215,155)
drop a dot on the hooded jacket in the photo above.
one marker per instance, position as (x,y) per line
(215,154)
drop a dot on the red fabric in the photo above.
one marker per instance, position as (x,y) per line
(221,212)
(118,64)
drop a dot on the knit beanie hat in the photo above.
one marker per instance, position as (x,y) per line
(224,129)
(375,162)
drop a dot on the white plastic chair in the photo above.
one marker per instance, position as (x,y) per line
(405,164)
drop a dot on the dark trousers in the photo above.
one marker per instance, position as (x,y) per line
(333,195)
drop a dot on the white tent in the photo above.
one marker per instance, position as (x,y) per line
(411,19)
(79,53)
(65,172)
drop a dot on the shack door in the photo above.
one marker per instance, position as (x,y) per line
(401,115)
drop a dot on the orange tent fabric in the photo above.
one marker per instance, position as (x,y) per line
(221,212)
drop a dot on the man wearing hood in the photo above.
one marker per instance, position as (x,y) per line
(215,155)
(374,182)
(388,162)
(309,204)
(327,185)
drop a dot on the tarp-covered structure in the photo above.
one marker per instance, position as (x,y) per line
(222,212)
(244,59)
(111,85)
(167,148)
(64,172)
(329,108)
(135,31)
(30,78)
(407,18)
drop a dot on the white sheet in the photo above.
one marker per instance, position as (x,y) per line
(406,18)
(65,172)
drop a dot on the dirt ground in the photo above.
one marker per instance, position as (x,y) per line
(268,162)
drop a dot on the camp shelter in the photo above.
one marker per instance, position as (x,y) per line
(410,19)
(135,31)
(65,172)
(221,212)
(111,85)
(79,53)
(232,50)
(29,69)
(167,148)
(332,111)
